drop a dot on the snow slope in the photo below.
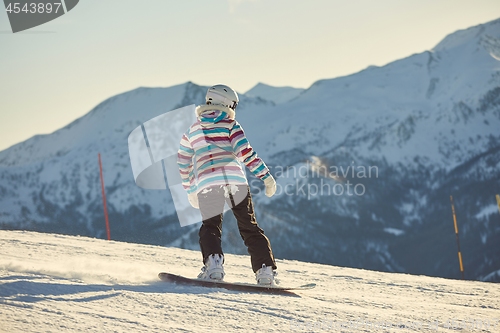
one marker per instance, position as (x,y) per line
(54,283)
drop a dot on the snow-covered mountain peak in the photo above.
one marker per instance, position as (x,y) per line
(473,34)
(277,95)
(409,108)
(106,124)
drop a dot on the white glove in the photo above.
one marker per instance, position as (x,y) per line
(270,186)
(193,200)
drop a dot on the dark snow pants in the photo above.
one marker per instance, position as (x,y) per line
(211,202)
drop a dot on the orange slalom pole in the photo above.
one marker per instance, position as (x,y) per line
(458,240)
(104,199)
(498,202)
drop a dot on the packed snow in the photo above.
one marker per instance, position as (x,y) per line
(56,283)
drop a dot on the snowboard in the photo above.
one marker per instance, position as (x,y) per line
(168,277)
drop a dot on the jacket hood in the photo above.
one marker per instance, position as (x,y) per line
(210,114)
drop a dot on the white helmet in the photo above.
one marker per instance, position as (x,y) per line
(222,95)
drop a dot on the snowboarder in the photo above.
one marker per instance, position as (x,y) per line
(209,160)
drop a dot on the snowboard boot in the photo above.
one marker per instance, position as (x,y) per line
(213,269)
(266,276)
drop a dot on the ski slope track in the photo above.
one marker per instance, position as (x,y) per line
(56,283)
(423,128)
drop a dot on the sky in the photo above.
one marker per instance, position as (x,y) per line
(57,72)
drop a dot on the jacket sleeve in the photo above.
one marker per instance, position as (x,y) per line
(185,163)
(245,153)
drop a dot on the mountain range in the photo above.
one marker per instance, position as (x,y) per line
(365,166)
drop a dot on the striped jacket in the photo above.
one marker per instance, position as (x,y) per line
(212,149)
